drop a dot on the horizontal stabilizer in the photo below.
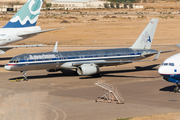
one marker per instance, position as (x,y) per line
(37,45)
(3,49)
(178,45)
(35,33)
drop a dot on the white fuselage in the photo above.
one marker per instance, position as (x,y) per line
(11,35)
(170,66)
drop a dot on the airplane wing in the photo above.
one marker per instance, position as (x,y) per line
(107,63)
(3,49)
(34,33)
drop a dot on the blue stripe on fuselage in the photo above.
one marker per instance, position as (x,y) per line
(47,61)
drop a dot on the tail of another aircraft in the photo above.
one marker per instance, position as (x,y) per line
(144,41)
(27,16)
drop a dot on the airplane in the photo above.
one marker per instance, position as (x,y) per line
(170,70)
(88,62)
(22,26)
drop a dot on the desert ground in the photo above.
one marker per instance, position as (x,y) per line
(94,30)
(65,96)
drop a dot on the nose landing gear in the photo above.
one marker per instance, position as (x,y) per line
(24,75)
(177,89)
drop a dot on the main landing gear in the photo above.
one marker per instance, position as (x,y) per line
(177,89)
(24,75)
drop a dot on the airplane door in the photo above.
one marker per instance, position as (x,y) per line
(8,38)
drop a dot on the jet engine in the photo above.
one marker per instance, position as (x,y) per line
(88,69)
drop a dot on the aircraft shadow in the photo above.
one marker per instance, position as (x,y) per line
(65,73)
(6,58)
(2,65)
(168,88)
(68,73)
(137,68)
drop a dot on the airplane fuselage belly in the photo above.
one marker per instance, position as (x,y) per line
(65,60)
(10,35)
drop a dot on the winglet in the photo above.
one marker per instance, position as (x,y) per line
(157,56)
(55,47)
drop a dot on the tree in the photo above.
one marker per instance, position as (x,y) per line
(106,5)
(48,5)
(112,5)
(117,5)
(129,3)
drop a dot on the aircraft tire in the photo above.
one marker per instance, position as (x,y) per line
(178,90)
(175,89)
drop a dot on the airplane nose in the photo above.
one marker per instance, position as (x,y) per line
(161,70)
(6,67)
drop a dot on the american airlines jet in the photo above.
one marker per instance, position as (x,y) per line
(22,26)
(87,62)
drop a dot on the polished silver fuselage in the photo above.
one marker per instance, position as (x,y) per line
(73,59)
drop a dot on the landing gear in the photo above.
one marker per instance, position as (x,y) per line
(24,75)
(177,89)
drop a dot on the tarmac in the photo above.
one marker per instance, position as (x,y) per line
(65,96)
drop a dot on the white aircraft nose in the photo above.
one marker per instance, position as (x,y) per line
(161,70)
(6,67)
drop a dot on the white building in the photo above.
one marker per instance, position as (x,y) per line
(77,4)
(3,8)
(136,6)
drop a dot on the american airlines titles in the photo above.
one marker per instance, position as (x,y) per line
(48,56)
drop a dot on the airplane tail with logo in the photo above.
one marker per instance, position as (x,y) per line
(144,41)
(27,16)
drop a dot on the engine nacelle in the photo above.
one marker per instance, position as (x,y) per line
(53,70)
(88,69)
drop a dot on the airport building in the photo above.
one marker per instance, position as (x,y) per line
(69,5)
(84,4)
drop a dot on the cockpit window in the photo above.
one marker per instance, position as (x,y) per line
(167,64)
(10,61)
(13,61)
(171,64)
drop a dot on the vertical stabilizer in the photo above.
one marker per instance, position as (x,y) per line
(27,16)
(144,41)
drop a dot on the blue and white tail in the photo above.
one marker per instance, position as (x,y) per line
(27,16)
(144,41)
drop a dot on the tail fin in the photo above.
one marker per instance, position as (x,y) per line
(27,16)
(144,41)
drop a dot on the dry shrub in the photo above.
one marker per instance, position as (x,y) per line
(71,17)
(106,16)
(113,17)
(94,19)
(65,21)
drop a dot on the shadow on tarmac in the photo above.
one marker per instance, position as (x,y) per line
(168,88)
(68,73)
(6,58)
(2,65)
